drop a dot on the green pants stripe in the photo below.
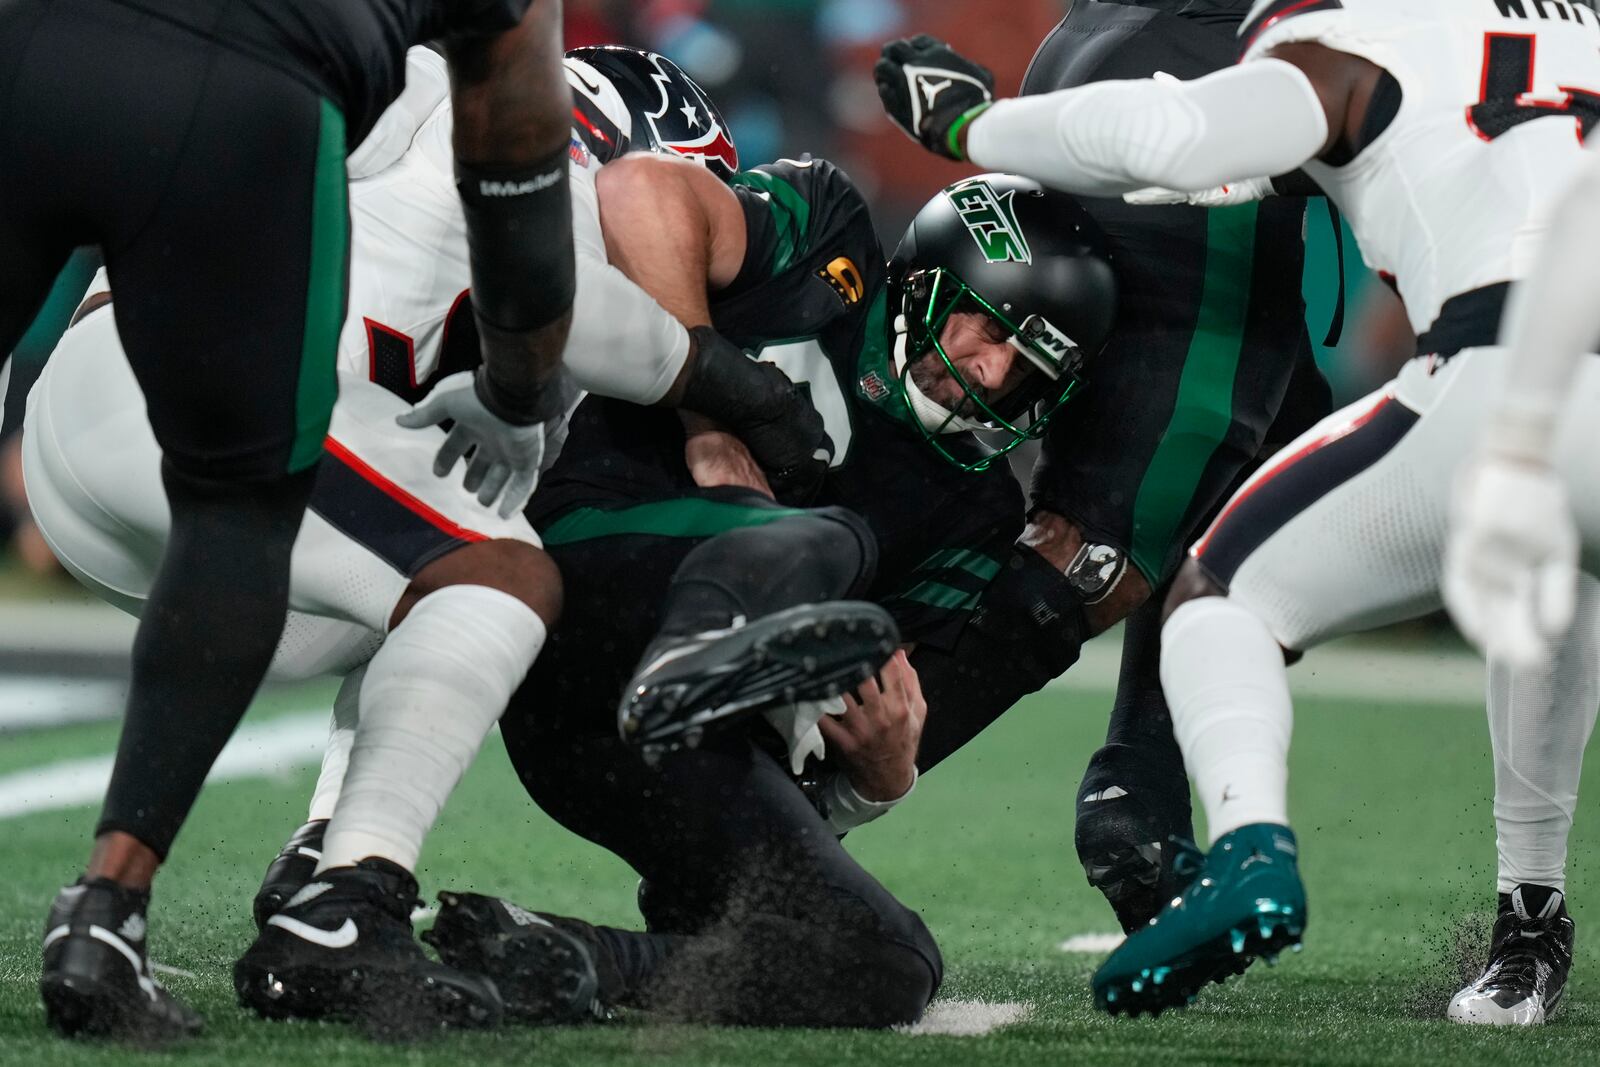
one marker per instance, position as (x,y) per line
(317,387)
(1203,410)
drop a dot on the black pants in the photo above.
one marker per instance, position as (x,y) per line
(215,187)
(786,928)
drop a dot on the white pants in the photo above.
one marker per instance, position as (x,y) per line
(1344,530)
(92,470)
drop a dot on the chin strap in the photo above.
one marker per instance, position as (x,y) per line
(932,416)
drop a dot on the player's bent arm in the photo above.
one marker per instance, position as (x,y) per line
(512,108)
(1109,138)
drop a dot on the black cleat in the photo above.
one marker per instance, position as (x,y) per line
(1530,957)
(342,948)
(1133,834)
(543,965)
(810,652)
(96,979)
(291,869)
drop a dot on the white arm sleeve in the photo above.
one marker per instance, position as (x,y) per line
(848,809)
(427,86)
(1110,138)
(1553,320)
(622,343)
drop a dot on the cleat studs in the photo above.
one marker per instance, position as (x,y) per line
(1160,974)
(1237,939)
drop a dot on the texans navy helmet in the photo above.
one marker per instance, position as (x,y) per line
(629,100)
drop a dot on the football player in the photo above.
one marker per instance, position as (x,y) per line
(201,145)
(1446,158)
(1208,367)
(997,299)
(457,597)
(1510,565)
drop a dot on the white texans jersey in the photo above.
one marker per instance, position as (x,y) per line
(1494,98)
(409,267)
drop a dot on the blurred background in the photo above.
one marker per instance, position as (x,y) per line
(791,77)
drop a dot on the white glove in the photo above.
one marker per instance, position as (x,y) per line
(505,458)
(1230,195)
(1511,562)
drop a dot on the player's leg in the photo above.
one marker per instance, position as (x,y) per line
(757,615)
(208,233)
(1539,721)
(764,879)
(466,598)
(1363,495)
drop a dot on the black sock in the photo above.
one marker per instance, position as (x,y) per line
(204,643)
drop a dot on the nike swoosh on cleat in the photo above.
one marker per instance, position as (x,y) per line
(343,937)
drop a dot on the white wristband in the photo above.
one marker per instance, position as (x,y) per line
(848,809)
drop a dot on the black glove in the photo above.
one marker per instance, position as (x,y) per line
(771,414)
(931,91)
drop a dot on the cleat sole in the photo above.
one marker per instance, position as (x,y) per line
(1265,936)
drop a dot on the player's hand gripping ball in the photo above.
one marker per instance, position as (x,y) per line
(931,91)
(1511,561)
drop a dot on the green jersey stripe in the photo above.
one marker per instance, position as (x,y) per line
(687,517)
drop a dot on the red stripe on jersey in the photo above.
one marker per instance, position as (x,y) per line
(397,494)
(1278,466)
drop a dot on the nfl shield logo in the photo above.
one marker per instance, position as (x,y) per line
(873,386)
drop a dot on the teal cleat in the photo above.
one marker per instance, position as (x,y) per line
(1248,901)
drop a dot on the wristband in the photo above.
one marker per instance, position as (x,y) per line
(728,386)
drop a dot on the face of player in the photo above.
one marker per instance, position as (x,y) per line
(979,349)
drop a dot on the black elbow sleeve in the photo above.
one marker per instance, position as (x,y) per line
(519,230)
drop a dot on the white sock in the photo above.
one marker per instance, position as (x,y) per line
(1225,683)
(1539,723)
(431,695)
(341,735)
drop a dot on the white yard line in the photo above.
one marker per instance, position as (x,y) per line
(30,701)
(1098,944)
(1344,670)
(88,627)
(268,750)
(967,1018)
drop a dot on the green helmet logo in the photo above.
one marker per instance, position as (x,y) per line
(991,220)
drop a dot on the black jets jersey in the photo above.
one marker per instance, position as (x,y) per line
(351,51)
(811,297)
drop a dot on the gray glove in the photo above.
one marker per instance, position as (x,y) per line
(505,458)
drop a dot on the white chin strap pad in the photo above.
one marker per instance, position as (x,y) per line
(934,417)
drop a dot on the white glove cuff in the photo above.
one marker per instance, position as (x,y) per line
(848,809)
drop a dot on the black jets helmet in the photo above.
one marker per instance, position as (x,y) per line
(1035,263)
(630,100)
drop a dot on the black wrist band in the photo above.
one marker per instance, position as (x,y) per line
(728,386)
(549,402)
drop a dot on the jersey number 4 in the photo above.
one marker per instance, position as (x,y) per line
(1505,100)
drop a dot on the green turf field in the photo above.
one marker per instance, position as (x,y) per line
(1391,802)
